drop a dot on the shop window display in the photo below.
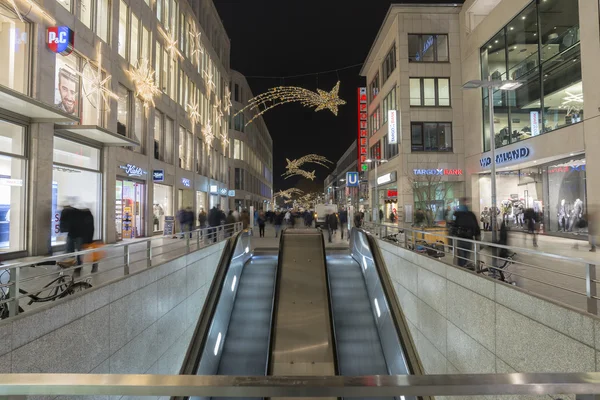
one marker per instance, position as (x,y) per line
(129,207)
(12,187)
(566,196)
(77,182)
(163,205)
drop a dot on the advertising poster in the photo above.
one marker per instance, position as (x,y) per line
(67,84)
(169,228)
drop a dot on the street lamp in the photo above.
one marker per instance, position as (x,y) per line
(376,161)
(490,84)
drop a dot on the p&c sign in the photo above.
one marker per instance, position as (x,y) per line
(60,39)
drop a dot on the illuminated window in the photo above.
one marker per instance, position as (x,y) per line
(428,48)
(430,92)
(122,45)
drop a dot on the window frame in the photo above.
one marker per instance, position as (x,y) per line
(411,59)
(374,85)
(437,91)
(390,56)
(422,125)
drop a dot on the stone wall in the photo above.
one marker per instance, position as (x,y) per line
(465,323)
(140,324)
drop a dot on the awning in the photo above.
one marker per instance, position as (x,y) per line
(96,134)
(32,109)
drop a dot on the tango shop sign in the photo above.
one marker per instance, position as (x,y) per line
(438,171)
(507,156)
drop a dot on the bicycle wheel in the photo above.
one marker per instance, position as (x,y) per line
(76,288)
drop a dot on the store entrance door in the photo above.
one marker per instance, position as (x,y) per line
(129,216)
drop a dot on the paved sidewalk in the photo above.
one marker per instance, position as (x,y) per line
(271,242)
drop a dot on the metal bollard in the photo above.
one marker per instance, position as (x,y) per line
(126,259)
(13,293)
(590,288)
(149,254)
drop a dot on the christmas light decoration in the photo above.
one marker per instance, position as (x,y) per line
(143,79)
(194,112)
(32,6)
(225,142)
(227,106)
(95,84)
(196,44)
(301,172)
(289,94)
(288,193)
(208,133)
(309,158)
(208,79)
(170,44)
(219,113)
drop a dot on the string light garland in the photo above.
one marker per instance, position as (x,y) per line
(143,79)
(208,133)
(279,95)
(194,112)
(301,172)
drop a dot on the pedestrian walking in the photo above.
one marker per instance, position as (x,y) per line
(261,223)
(343,216)
(465,226)
(245,217)
(229,222)
(332,225)
(278,221)
(531,220)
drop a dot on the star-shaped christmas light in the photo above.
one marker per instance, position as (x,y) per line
(288,94)
(227,105)
(225,142)
(170,44)
(194,112)
(218,112)
(301,172)
(208,79)
(208,133)
(196,44)
(143,79)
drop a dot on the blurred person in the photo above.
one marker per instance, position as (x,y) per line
(380,215)
(236,215)
(86,219)
(485,219)
(185,216)
(288,217)
(530,217)
(465,226)
(245,217)
(262,219)
(69,224)
(202,218)
(215,216)
(278,221)
(592,225)
(392,217)
(229,221)
(332,225)
(343,216)
(358,219)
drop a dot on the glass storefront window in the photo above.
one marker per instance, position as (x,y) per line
(566,195)
(77,182)
(129,207)
(12,187)
(551,96)
(15,41)
(162,205)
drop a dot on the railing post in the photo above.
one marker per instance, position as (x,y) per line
(149,253)
(13,306)
(187,242)
(454,252)
(590,288)
(405,240)
(385,231)
(198,232)
(126,259)
(475,257)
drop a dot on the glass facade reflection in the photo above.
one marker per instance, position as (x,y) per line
(541,48)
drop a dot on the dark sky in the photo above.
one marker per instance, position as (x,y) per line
(276,38)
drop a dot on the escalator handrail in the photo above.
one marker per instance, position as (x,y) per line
(200,336)
(330,304)
(400,323)
(274,306)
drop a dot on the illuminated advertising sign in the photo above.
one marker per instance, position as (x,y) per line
(223,191)
(158,175)
(186,182)
(438,171)
(214,189)
(386,178)
(507,156)
(362,128)
(392,193)
(392,127)
(60,39)
(231,193)
(133,170)
(534,120)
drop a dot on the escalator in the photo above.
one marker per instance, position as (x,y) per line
(301,310)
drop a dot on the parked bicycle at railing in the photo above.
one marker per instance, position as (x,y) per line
(59,287)
(500,272)
(435,250)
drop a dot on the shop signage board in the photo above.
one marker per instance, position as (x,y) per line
(386,178)
(392,127)
(361,142)
(438,171)
(11,182)
(60,39)
(501,158)
(133,170)
(352,179)
(186,182)
(214,189)
(392,193)
(169,228)
(158,175)
(231,193)
(534,120)
(223,191)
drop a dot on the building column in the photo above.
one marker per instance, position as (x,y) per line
(590,57)
(40,188)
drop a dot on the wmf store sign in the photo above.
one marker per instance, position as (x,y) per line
(507,156)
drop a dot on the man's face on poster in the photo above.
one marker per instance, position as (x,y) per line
(67,86)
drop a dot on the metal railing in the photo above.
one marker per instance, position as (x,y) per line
(569,280)
(583,385)
(23,285)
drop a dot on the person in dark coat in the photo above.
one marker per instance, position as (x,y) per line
(214,220)
(278,222)
(343,221)
(229,221)
(332,225)
(70,224)
(531,219)
(380,215)
(465,226)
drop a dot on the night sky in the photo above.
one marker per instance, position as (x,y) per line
(275,38)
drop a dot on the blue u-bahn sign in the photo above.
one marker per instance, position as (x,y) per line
(352,179)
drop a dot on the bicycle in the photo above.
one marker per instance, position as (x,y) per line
(500,273)
(58,288)
(435,250)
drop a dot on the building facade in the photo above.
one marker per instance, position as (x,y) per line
(335,189)
(413,70)
(544,129)
(127,119)
(251,164)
